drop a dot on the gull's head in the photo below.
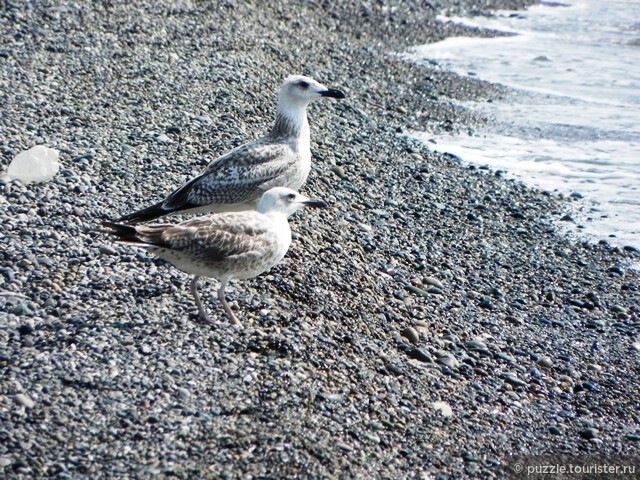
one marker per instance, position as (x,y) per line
(286,201)
(301,90)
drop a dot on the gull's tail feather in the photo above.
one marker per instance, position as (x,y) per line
(125,233)
(176,201)
(141,236)
(145,214)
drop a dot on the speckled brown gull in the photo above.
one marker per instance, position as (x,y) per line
(232,245)
(237,180)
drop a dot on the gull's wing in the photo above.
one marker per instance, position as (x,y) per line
(240,176)
(237,177)
(211,239)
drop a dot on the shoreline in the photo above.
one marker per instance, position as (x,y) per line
(538,125)
(431,322)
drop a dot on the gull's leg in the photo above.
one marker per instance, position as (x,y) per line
(196,295)
(232,318)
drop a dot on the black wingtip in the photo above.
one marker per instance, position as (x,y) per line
(144,215)
(123,232)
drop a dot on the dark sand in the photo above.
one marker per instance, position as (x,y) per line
(431,324)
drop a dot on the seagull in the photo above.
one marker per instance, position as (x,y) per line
(236,180)
(225,246)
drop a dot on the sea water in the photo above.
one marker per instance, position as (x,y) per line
(573,122)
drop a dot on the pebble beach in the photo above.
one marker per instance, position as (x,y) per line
(434,322)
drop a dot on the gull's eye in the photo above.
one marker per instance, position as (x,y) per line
(291,196)
(303,84)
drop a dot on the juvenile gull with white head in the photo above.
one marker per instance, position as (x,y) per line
(237,180)
(232,245)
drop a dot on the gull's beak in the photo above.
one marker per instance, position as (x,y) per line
(315,203)
(333,93)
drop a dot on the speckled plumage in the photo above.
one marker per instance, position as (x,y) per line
(232,245)
(237,180)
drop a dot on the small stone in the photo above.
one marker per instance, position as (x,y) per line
(513,380)
(411,334)
(506,357)
(25,329)
(486,303)
(22,309)
(433,282)
(617,270)
(107,250)
(421,355)
(375,426)
(514,320)
(24,400)
(145,350)
(589,433)
(633,437)
(163,138)
(339,172)
(417,291)
(475,345)
(344,446)
(635,346)
(545,362)
(183,392)
(448,360)
(394,369)
(174,129)
(335,397)
(555,431)
(83,156)
(593,323)
(469,457)
(576,303)
(444,408)
(372,438)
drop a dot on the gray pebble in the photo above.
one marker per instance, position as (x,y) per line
(411,334)
(183,392)
(589,433)
(475,345)
(433,282)
(339,172)
(513,380)
(545,362)
(448,360)
(107,250)
(24,400)
(421,355)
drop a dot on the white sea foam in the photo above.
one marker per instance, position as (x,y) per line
(576,125)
